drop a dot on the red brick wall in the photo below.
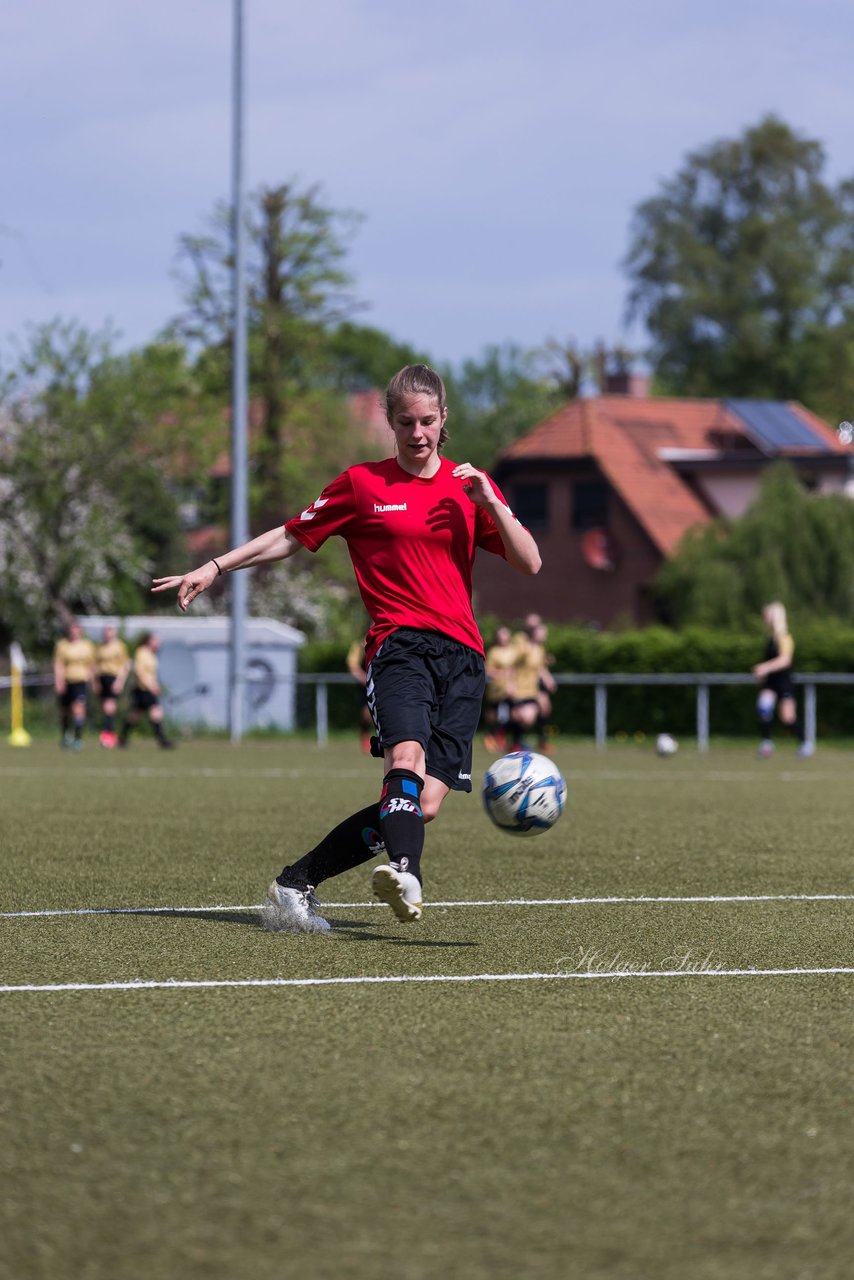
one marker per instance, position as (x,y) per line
(566,589)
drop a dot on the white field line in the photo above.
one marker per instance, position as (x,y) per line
(484,902)
(143,771)
(582,975)
(588,775)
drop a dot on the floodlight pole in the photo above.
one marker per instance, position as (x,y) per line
(239,398)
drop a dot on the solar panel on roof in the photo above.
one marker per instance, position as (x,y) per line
(773,425)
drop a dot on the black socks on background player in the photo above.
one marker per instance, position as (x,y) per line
(766,729)
(392,829)
(131,721)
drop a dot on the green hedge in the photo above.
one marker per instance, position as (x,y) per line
(819,646)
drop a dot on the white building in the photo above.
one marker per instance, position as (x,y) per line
(194,661)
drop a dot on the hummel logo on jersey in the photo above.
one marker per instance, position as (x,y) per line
(389,506)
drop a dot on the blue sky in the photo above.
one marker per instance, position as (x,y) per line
(496,150)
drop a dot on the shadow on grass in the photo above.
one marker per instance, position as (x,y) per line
(361,931)
(250,918)
(355,930)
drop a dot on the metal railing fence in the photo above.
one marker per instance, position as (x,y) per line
(601,682)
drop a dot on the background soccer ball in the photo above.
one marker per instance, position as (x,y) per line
(665,745)
(524,793)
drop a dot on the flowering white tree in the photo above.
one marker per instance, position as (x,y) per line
(67,466)
(292,593)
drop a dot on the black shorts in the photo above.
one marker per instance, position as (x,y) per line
(781,684)
(425,687)
(75,691)
(143,700)
(502,708)
(106,687)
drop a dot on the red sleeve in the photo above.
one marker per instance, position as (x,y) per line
(328,515)
(486,533)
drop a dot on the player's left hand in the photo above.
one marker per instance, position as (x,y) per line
(189,585)
(476,484)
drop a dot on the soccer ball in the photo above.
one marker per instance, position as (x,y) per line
(524,793)
(665,745)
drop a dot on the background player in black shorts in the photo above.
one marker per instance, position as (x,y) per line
(777,691)
(145,692)
(112,664)
(73,673)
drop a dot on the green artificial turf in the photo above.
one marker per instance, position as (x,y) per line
(690,1126)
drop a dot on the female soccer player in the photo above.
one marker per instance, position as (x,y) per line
(775,675)
(412,524)
(73,673)
(145,694)
(534,684)
(112,664)
(500,661)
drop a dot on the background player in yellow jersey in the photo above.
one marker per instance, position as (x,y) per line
(112,664)
(533,684)
(73,673)
(145,692)
(500,662)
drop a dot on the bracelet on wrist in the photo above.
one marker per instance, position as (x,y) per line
(218,569)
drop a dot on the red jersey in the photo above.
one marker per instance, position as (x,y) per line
(412,543)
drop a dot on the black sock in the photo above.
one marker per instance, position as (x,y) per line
(352,842)
(401,819)
(78,730)
(66,722)
(157,726)
(109,723)
(765,727)
(130,723)
(797,728)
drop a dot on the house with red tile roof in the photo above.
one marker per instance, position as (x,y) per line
(610,484)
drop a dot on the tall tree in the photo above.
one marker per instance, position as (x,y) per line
(790,545)
(362,358)
(742,267)
(298,288)
(494,400)
(83,510)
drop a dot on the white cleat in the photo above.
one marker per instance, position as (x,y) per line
(806,750)
(292,911)
(400,889)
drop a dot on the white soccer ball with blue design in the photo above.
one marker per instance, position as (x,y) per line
(524,793)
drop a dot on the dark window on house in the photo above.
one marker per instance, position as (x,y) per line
(589,504)
(531,505)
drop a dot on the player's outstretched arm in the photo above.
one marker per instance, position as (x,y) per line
(276,544)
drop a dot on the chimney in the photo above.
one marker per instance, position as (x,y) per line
(624,383)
